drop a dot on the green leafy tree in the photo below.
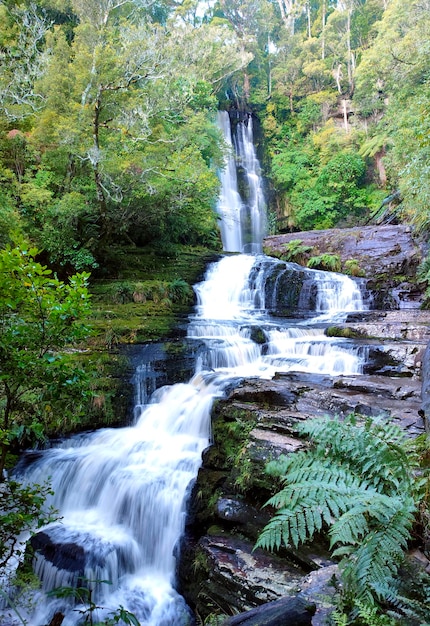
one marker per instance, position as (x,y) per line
(21,511)
(361,482)
(335,194)
(40,317)
(138,109)
(393,94)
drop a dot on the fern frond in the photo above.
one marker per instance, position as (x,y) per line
(380,451)
(276,532)
(417,609)
(378,556)
(371,615)
(350,527)
(280,467)
(359,480)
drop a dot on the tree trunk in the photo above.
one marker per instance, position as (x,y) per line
(95,162)
(287,15)
(345,115)
(350,59)
(324,11)
(380,166)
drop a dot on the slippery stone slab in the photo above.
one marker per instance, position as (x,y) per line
(295,610)
(265,445)
(242,578)
(391,249)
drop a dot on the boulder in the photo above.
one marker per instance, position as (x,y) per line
(295,610)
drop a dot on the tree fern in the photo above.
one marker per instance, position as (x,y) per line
(357,480)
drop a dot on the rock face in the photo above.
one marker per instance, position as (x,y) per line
(388,256)
(426,388)
(220,572)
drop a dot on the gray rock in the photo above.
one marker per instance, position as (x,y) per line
(391,248)
(386,254)
(425,407)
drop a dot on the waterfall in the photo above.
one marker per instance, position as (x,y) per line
(122,493)
(242,218)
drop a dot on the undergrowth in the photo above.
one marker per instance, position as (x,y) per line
(363,483)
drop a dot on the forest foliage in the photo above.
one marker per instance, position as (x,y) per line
(107,123)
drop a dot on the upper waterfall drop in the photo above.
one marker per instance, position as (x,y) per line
(242,218)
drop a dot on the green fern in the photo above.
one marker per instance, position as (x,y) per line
(296,251)
(328,262)
(408,597)
(359,482)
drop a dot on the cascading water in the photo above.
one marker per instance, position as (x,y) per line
(122,493)
(242,219)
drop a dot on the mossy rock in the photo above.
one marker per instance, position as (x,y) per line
(343,331)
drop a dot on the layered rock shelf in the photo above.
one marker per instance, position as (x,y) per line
(388,256)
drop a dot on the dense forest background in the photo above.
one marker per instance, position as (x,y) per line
(108,118)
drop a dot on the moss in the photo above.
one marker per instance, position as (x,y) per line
(148,295)
(352,268)
(231,428)
(343,331)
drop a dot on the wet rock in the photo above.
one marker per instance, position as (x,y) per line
(270,393)
(238,578)
(316,591)
(425,407)
(64,556)
(295,610)
(390,248)
(240,516)
(388,255)
(265,445)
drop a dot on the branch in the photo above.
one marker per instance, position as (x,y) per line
(396,58)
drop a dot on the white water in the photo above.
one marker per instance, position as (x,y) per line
(242,221)
(229,307)
(122,493)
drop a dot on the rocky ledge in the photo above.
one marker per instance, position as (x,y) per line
(388,256)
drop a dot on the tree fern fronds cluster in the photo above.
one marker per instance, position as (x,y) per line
(361,483)
(376,449)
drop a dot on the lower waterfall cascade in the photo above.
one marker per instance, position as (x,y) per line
(122,493)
